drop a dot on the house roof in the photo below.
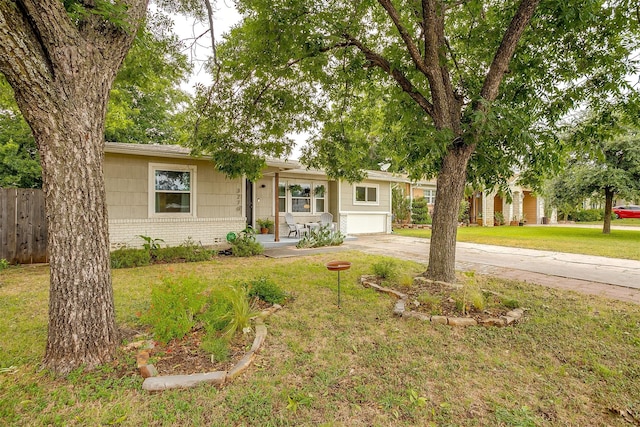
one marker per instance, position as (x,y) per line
(179,152)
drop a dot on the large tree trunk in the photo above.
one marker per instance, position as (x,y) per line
(608,207)
(449,192)
(82,329)
(61,72)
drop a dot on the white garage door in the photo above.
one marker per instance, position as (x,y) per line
(361,224)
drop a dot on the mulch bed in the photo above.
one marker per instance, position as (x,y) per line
(446,296)
(184,356)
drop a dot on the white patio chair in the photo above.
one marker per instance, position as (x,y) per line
(293,226)
(327,219)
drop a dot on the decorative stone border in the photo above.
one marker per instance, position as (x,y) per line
(155,382)
(400,310)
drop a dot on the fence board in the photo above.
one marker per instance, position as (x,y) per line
(23,229)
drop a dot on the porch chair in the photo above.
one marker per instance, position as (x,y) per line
(327,219)
(293,226)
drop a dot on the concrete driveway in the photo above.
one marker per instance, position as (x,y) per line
(610,277)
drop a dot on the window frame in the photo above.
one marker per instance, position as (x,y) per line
(170,167)
(288,198)
(366,201)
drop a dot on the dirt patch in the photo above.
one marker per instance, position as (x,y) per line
(184,356)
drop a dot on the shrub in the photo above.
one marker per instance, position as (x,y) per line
(245,244)
(385,269)
(174,305)
(589,215)
(322,236)
(128,258)
(4,264)
(400,205)
(469,296)
(266,290)
(420,211)
(229,311)
(150,244)
(463,213)
(188,251)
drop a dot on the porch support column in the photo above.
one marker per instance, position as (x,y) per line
(276,222)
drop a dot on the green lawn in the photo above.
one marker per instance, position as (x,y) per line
(573,361)
(589,241)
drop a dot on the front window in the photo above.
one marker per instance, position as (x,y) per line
(300,197)
(366,194)
(172,189)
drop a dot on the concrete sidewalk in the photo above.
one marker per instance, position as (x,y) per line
(610,277)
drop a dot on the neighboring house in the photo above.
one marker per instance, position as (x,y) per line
(161,191)
(525,205)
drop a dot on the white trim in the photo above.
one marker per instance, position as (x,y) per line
(193,169)
(363,213)
(286,182)
(366,193)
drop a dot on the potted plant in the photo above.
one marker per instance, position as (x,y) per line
(523,219)
(479,220)
(498,218)
(514,221)
(265,224)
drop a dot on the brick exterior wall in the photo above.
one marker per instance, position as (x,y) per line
(208,231)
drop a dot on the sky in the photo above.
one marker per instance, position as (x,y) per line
(225,16)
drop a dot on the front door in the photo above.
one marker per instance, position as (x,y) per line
(249,201)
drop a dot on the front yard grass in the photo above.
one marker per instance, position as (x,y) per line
(573,361)
(589,241)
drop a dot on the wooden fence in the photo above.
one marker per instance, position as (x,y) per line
(23,226)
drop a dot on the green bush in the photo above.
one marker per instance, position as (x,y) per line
(322,236)
(386,269)
(589,215)
(229,311)
(175,302)
(245,244)
(128,258)
(420,211)
(186,252)
(463,213)
(400,205)
(266,290)
(4,264)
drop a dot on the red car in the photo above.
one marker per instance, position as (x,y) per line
(627,211)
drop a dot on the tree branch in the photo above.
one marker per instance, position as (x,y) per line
(380,62)
(413,50)
(507,48)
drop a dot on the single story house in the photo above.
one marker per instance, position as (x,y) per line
(525,204)
(163,192)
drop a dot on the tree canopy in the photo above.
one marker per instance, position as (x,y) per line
(146,104)
(468,89)
(604,162)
